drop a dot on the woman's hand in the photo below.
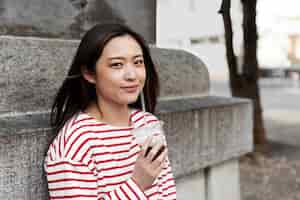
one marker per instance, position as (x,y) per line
(148,164)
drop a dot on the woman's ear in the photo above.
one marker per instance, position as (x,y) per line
(88,75)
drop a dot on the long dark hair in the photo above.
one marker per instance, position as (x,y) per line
(76,93)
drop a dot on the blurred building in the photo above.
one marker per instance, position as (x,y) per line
(196,26)
(279,33)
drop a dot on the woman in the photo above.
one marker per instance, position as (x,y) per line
(94,154)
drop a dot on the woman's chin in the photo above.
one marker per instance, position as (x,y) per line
(129,99)
(132,100)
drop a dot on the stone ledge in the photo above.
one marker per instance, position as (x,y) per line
(18,123)
(207,131)
(202,131)
(181,104)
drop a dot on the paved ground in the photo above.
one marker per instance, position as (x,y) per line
(275,176)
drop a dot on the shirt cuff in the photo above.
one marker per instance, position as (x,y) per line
(135,189)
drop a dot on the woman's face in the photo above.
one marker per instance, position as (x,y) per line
(120,71)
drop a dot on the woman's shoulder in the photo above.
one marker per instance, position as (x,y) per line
(76,135)
(81,124)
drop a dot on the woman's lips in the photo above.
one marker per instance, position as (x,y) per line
(131,89)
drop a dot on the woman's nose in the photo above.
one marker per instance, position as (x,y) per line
(130,73)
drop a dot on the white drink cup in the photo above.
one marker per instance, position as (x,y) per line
(154,130)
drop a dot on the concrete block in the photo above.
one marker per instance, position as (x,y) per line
(75,17)
(182,75)
(206,131)
(223,181)
(200,136)
(32,69)
(23,143)
(192,187)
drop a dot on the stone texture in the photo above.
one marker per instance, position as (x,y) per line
(203,136)
(182,75)
(71,18)
(184,103)
(32,69)
(201,130)
(192,187)
(198,137)
(223,181)
(21,160)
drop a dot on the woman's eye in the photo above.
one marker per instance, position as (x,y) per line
(139,62)
(116,65)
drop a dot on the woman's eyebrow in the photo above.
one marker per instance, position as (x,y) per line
(116,58)
(139,55)
(123,58)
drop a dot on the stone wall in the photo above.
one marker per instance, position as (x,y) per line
(29,79)
(202,131)
(71,18)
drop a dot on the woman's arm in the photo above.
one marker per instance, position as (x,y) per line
(75,180)
(69,179)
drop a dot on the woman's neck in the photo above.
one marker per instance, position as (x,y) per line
(111,114)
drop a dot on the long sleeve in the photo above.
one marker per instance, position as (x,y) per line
(129,190)
(74,180)
(70,180)
(166,183)
(163,187)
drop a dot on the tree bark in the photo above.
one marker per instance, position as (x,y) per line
(245,84)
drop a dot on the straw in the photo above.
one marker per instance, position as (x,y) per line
(143,101)
(143,106)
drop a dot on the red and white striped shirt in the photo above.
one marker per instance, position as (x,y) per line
(93,160)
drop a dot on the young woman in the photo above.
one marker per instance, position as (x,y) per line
(94,154)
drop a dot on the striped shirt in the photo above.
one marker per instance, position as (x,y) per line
(90,159)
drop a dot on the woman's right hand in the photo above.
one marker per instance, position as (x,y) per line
(148,166)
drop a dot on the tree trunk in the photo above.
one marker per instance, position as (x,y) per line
(245,84)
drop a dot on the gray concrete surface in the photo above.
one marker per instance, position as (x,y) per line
(71,18)
(29,79)
(205,136)
(192,187)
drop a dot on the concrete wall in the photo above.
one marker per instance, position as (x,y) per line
(29,79)
(202,131)
(70,18)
